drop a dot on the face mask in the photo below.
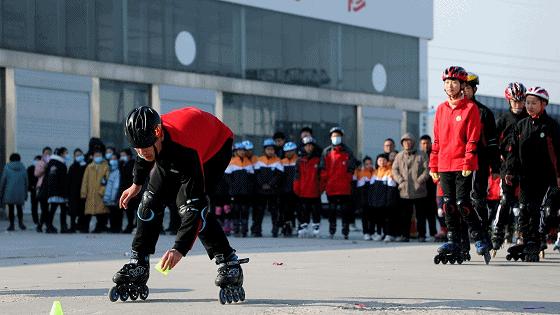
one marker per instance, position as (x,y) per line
(80,158)
(336,140)
(68,159)
(98,159)
(124,158)
(108,155)
(35,163)
(114,163)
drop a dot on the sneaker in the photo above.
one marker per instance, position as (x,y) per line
(377,237)
(22,226)
(10,228)
(367,237)
(430,239)
(389,238)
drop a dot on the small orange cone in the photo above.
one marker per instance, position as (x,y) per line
(56,308)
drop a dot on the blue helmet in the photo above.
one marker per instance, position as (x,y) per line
(238,146)
(248,145)
(289,146)
(268,143)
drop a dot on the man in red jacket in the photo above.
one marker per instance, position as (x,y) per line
(457,130)
(307,186)
(188,150)
(337,167)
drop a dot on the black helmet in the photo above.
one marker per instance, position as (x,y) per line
(140,125)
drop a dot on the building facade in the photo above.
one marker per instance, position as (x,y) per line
(71,70)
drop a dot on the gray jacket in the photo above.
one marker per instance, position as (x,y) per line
(13,184)
(410,171)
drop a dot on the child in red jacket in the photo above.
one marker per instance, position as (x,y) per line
(453,159)
(307,186)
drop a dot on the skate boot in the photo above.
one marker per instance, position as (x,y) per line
(449,252)
(302,230)
(516,252)
(531,251)
(230,278)
(287,229)
(131,279)
(483,249)
(316,230)
(543,247)
(465,251)
(497,243)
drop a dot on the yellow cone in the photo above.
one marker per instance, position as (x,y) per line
(56,308)
(160,269)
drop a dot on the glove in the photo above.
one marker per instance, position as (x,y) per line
(466,173)
(440,212)
(435,176)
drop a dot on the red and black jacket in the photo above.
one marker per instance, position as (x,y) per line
(456,134)
(337,167)
(487,148)
(307,183)
(535,154)
(504,127)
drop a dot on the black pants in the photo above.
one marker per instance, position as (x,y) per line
(34,206)
(505,207)
(309,209)
(407,207)
(431,214)
(165,186)
(240,213)
(368,226)
(288,207)
(11,213)
(63,214)
(100,224)
(340,204)
(457,205)
(480,192)
(264,202)
(115,219)
(43,219)
(532,192)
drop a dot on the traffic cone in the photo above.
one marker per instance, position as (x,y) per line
(56,308)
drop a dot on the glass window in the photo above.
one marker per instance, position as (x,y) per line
(17,24)
(413,123)
(117,100)
(256,118)
(109,30)
(2,120)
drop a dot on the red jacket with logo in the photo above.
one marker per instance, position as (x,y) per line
(456,133)
(337,167)
(307,183)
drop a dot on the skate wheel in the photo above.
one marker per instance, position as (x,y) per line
(229,296)
(235,295)
(508,257)
(516,258)
(144,293)
(113,294)
(133,295)
(494,253)
(487,257)
(436,260)
(459,261)
(452,260)
(222,296)
(241,294)
(124,296)
(469,257)
(444,260)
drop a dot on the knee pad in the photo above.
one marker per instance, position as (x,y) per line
(464,207)
(448,205)
(145,212)
(195,206)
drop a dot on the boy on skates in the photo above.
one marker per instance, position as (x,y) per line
(535,148)
(188,150)
(453,159)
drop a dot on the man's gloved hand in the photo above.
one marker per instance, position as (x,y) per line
(435,176)
(466,173)
(508,179)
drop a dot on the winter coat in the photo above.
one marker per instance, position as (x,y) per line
(75,177)
(93,187)
(337,167)
(289,174)
(410,172)
(110,198)
(456,134)
(40,169)
(362,178)
(307,182)
(383,191)
(505,126)
(13,184)
(31,179)
(487,147)
(240,176)
(126,172)
(56,178)
(268,175)
(535,154)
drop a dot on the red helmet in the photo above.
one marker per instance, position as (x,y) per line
(539,92)
(515,91)
(455,72)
